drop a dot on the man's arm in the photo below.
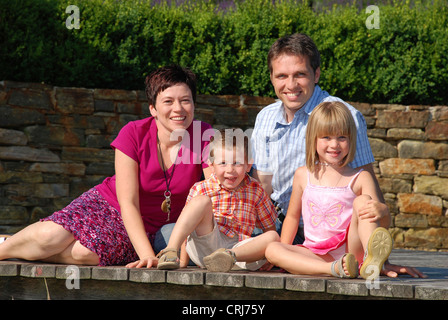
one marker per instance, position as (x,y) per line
(265,180)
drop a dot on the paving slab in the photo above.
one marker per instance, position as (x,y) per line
(34,280)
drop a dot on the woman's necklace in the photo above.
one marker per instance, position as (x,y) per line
(166,204)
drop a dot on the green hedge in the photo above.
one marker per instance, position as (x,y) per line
(120,42)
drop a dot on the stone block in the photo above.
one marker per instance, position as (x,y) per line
(204,115)
(74,100)
(38,99)
(439,113)
(38,271)
(437,130)
(395,185)
(420,203)
(51,190)
(438,221)
(376,133)
(382,149)
(79,185)
(8,269)
(431,185)
(71,169)
(397,166)
(15,117)
(110,273)
(443,169)
(73,272)
(55,136)
(347,287)
(231,117)
(366,108)
(218,100)
(13,215)
(224,279)
(431,238)
(417,149)
(13,137)
(104,105)
(77,121)
(20,177)
(405,133)
(23,153)
(114,94)
(431,293)
(402,119)
(129,107)
(141,95)
(265,282)
(87,154)
(101,168)
(410,221)
(186,277)
(393,290)
(99,141)
(147,275)
(310,284)
(257,101)
(114,124)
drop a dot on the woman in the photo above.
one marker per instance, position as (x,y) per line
(120,221)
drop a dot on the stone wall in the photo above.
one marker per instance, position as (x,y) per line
(54,144)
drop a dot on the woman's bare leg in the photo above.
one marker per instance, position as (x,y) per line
(45,241)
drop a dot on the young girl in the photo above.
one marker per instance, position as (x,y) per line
(327,193)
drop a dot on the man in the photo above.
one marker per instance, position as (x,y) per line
(279,133)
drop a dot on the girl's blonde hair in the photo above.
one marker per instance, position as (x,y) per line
(329,119)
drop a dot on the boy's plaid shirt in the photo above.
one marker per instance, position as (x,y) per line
(238,211)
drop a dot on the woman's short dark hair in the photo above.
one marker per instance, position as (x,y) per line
(166,77)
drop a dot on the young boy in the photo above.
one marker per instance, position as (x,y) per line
(222,212)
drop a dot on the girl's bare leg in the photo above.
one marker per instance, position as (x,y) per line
(299,260)
(360,230)
(45,241)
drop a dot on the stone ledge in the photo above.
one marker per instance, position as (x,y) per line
(188,281)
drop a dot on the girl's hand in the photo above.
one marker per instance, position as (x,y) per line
(374,211)
(146,262)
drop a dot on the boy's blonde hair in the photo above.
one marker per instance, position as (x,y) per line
(329,119)
(230,138)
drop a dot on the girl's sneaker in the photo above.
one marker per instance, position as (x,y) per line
(378,250)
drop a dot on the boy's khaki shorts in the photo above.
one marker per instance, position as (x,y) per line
(199,247)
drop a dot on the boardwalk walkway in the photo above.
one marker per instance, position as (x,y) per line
(25,280)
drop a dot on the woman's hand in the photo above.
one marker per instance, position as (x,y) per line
(146,262)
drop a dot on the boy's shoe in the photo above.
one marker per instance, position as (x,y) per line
(378,250)
(168,259)
(222,260)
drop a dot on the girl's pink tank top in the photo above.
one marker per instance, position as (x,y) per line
(326,214)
